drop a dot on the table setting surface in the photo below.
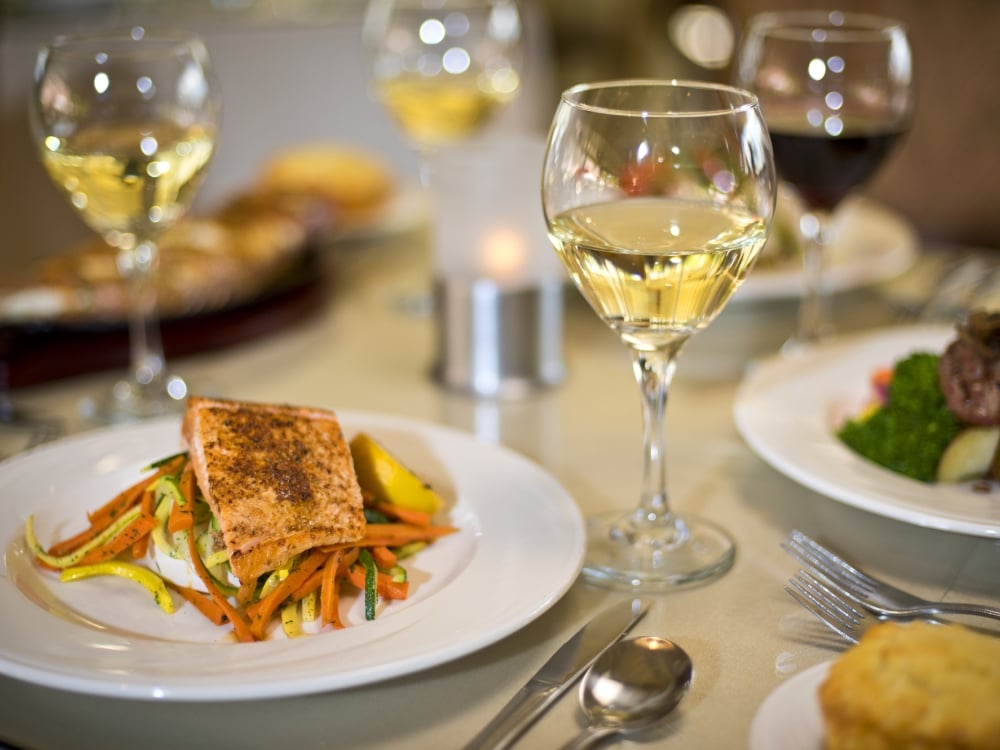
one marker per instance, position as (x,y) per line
(363,352)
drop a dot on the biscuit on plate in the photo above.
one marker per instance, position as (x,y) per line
(354,181)
(920,686)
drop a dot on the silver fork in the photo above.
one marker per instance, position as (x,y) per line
(840,615)
(869,590)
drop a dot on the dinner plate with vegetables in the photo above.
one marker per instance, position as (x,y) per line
(903,421)
(119,556)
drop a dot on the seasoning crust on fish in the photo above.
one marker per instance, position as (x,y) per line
(279,479)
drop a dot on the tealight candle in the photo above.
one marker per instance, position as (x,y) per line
(498,282)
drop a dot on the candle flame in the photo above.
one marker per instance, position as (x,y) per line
(505,253)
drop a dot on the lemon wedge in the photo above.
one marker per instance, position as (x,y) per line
(383,475)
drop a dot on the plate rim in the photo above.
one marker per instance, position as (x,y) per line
(785,280)
(874,489)
(237,681)
(776,704)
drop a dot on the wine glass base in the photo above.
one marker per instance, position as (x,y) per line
(697,553)
(130,401)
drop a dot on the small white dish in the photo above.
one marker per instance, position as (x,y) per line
(789,718)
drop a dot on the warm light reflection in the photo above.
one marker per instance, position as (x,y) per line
(703,34)
(505,253)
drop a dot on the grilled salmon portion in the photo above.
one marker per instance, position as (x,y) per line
(280,479)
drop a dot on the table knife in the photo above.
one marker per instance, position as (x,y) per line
(557,675)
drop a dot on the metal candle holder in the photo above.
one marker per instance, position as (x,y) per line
(496,342)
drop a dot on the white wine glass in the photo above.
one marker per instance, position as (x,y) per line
(442,69)
(658,197)
(125,123)
(837,92)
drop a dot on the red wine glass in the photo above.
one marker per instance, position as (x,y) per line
(836,90)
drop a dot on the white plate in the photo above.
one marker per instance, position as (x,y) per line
(788,409)
(789,718)
(518,549)
(872,244)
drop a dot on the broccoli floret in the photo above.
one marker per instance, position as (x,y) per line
(911,431)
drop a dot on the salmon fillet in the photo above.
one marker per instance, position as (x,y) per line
(280,479)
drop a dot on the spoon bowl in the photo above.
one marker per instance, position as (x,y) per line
(633,684)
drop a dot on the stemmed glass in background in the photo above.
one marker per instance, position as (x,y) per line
(443,69)
(836,90)
(125,124)
(658,197)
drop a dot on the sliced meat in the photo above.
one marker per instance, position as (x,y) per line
(970,381)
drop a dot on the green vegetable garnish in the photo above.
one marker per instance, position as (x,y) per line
(371,583)
(911,431)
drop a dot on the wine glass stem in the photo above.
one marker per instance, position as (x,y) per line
(146,348)
(654,371)
(813,318)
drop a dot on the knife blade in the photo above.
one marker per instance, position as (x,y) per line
(557,675)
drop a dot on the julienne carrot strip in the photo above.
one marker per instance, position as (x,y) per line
(312,583)
(261,611)
(394,535)
(329,593)
(384,557)
(130,496)
(349,558)
(101,519)
(141,545)
(138,528)
(104,516)
(405,515)
(242,628)
(182,514)
(203,602)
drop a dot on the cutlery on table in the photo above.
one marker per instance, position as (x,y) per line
(869,591)
(633,684)
(846,619)
(558,674)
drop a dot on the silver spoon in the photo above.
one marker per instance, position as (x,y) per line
(632,684)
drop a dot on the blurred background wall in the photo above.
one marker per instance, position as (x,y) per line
(292,71)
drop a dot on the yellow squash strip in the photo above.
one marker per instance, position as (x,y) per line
(291,622)
(78,554)
(130,571)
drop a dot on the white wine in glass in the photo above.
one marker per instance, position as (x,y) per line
(125,123)
(658,197)
(443,69)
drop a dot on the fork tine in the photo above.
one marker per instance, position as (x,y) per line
(825,560)
(841,615)
(821,613)
(810,586)
(850,606)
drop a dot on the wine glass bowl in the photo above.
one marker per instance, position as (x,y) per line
(836,90)
(658,196)
(443,69)
(125,124)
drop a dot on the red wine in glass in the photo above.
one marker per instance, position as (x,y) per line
(825,168)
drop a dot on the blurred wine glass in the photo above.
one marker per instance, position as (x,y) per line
(836,90)
(658,196)
(442,69)
(125,123)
